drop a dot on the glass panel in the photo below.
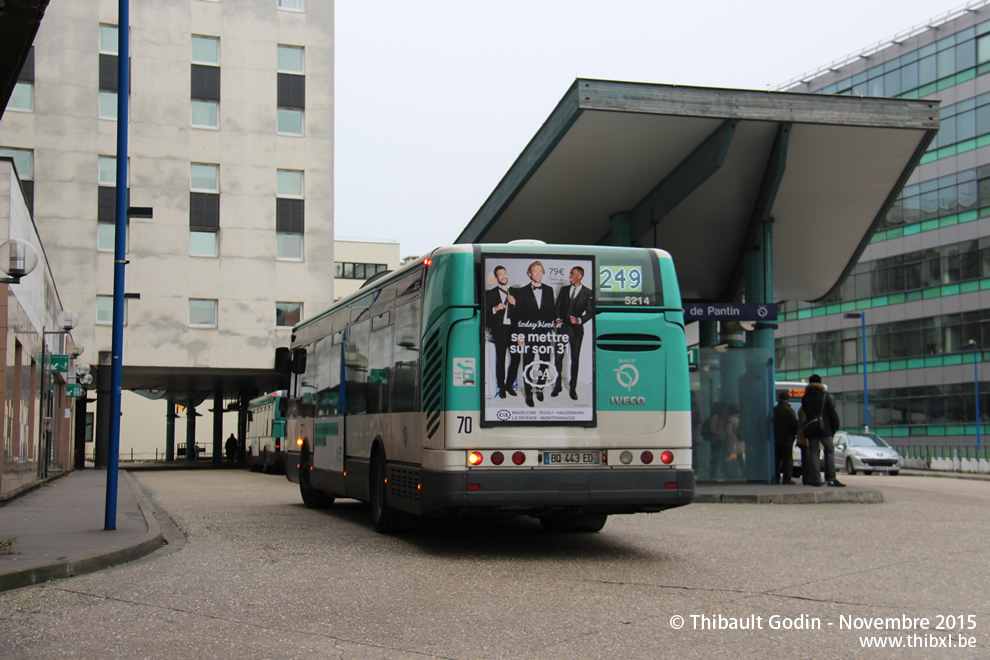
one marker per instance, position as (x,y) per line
(290,121)
(108,105)
(289,246)
(892,83)
(104,310)
(108,170)
(983,49)
(22,98)
(203,312)
(206,113)
(909,76)
(290,183)
(946,62)
(204,177)
(287,314)
(203,243)
(926,70)
(108,39)
(106,235)
(965,55)
(875,87)
(290,59)
(23,161)
(205,50)
(295,5)
(966,125)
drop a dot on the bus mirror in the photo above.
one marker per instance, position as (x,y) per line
(283,360)
(299,361)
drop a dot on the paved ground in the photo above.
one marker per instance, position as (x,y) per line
(262,576)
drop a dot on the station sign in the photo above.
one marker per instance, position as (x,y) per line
(693,357)
(730,312)
(73,390)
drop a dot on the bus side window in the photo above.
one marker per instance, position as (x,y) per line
(356,367)
(405,366)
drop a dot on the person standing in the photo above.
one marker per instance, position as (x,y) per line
(498,321)
(535,317)
(821,423)
(785,426)
(230,447)
(573,311)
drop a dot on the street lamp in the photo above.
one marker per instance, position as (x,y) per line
(866,397)
(976,383)
(66,321)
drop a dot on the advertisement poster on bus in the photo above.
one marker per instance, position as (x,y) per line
(538,333)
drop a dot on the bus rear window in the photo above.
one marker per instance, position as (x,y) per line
(628,279)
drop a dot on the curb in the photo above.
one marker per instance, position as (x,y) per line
(831,496)
(149,543)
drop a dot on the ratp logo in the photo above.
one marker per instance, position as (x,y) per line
(627,375)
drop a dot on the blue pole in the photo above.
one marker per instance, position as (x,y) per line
(119,252)
(866,396)
(976,382)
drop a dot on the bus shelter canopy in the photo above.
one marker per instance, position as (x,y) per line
(697,171)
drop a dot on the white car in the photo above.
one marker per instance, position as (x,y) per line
(866,452)
(858,451)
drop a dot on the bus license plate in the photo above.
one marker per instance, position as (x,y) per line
(570,458)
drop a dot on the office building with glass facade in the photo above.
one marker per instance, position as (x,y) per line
(923,283)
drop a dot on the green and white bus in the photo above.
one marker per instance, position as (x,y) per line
(493,380)
(264,441)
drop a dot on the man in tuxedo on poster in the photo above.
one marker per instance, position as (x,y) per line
(573,311)
(534,315)
(499,320)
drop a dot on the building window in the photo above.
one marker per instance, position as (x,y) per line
(23,161)
(106,236)
(205,114)
(108,39)
(204,177)
(291,5)
(22,98)
(104,310)
(205,50)
(202,313)
(108,105)
(289,247)
(290,59)
(287,314)
(108,170)
(202,243)
(290,121)
(290,184)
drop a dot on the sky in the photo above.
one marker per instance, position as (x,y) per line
(435,99)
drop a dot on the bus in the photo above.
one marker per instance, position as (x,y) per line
(264,441)
(497,380)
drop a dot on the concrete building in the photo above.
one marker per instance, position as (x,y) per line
(231,146)
(923,283)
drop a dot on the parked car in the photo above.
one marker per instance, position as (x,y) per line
(858,451)
(866,452)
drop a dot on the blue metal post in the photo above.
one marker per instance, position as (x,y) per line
(119,252)
(976,382)
(866,396)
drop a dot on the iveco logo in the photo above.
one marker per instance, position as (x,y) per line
(628,401)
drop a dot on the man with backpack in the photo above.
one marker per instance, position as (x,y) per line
(819,422)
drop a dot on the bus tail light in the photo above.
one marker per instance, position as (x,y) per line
(518,458)
(667,457)
(475,458)
(646,457)
(498,457)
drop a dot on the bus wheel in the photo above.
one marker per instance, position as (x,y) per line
(313,498)
(382,517)
(566,523)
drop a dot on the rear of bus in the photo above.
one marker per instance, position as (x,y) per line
(614,439)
